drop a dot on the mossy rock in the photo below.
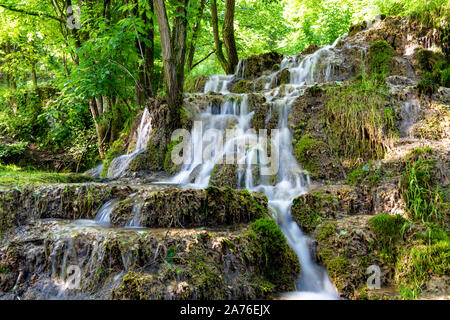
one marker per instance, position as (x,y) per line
(426,87)
(424,60)
(277,261)
(256,65)
(139,163)
(309,210)
(282,77)
(311,49)
(417,265)
(224,175)
(380,53)
(316,157)
(122,212)
(243,86)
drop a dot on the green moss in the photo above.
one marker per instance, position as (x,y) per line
(243,86)
(386,226)
(224,175)
(426,87)
(426,59)
(156,156)
(315,91)
(417,265)
(326,231)
(279,263)
(337,266)
(380,52)
(169,166)
(424,197)
(308,152)
(445,77)
(360,125)
(11,175)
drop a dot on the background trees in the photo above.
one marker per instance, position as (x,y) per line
(75,90)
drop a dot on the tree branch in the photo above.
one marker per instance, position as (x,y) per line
(36,14)
(198,62)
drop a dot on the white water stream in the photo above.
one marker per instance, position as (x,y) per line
(120,164)
(313,283)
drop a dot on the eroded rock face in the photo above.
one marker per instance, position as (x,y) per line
(224,259)
(130,264)
(19,206)
(256,65)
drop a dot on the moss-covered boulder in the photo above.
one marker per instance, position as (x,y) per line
(70,201)
(282,77)
(316,157)
(243,86)
(256,65)
(192,208)
(311,49)
(224,175)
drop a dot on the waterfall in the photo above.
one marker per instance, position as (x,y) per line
(291,182)
(409,112)
(118,165)
(104,213)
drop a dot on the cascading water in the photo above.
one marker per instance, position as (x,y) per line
(120,164)
(291,182)
(409,112)
(104,213)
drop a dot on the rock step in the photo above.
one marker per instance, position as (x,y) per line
(230,263)
(165,207)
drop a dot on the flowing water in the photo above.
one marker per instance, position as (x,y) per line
(291,181)
(103,214)
(119,165)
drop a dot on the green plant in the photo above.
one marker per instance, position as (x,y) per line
(380,53)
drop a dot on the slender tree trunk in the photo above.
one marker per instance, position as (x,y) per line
(218,43)
(228,36)
(195,31)
(34,75)
(145,89)
(173,54)
(12,82)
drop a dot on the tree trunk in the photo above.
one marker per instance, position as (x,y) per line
(34,75)
(218,43)
(145,89)
(228,36)
(173,54)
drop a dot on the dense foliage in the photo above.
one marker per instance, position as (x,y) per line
(71,83)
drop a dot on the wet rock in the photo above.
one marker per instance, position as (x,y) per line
(282,77)
(257,64)
(143,264)
(357,28)
(224,175)
(243,86)
(189,208)
(19,206)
